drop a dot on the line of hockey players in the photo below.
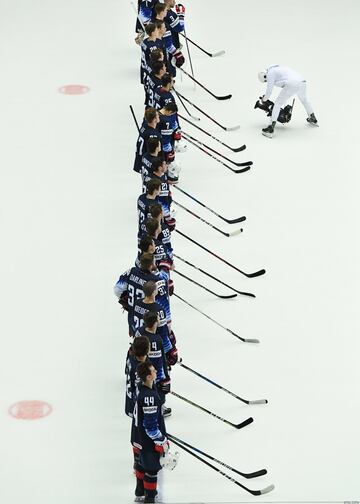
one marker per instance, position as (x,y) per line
(144,290)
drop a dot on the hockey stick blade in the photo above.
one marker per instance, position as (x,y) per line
(215,55)
(243,170)
(234,128)
(266,490)
(226,97)
(238,231)
(255,274)
(259,401)
(234,221)
(246,340)
(238,149)
(246,422)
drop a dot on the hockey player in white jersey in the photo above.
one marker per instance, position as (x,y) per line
(292,84)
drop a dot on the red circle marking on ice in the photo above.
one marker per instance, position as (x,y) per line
(30,410)
(74,89)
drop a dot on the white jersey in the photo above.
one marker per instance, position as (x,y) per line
(280,76)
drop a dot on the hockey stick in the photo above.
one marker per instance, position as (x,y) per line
(237,426)
(225,97)
(188,51)
(212,55)
(246,163)
(242,170)
(133,114)
(254,474)
(185,107)
(249,275)
(253,492)
(214,278)
(237,149)
(207,115)
(203,287)
(245,340)
(229,221)
(238,231)
(258,401)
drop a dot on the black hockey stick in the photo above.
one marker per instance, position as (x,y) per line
(233,128)
(246,163)
(238,231)
(203,287)
(185,107)
(237,426)
(258,401)
(245,340)
(229,221)
(237,149)
(214,278)
(217,97)
(253,492)
(212,55)
(242,170)
(133,114)
(251,475)
(249,275)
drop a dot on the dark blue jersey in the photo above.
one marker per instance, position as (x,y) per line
(168,125)
(162,330)
(163,255)
(151,84)
(143,209)
(132,383)
(132,282)
(145,133)
(156,354)
(165,194)
(147,47)
(146,168)
(145,11)
(163,97)
(148,418)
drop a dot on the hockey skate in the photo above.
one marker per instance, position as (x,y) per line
(139,491)
(269,131)
(166,411)
(312,120)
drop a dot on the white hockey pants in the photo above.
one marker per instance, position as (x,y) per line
(290,89)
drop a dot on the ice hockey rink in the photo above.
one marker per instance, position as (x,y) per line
(68,230)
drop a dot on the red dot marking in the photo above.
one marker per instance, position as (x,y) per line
(74,89)
(30,410)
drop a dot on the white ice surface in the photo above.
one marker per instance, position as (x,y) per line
(68,226)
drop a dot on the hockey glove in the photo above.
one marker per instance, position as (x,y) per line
(178,59)
(139,38)
(162,447)
(169,156)
(177,135)
(164,386)
(180,11)
(171,287)
(123,300)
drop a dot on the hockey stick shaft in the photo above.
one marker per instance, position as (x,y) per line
(203,287)
(188,51)
(204,113)
(214,278)
(245,340)
(212,55)
(236,149)
(247,168)
(249,275)
(227,476)
(185,107)
(205,221)
(254,474)
(246,163)
(229,221)
(237,426)
(258,401)
(134,117)
(225,97)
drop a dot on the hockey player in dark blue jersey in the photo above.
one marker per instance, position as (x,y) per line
(156,212)
(152,82)
(138,353)
(170,132)
(149,129)
(175,20)
(153,151)
(150,44)
(129,287)
(163,95)
(162,255)
(174,54)
(158,171)
(149,421)
(145,200)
